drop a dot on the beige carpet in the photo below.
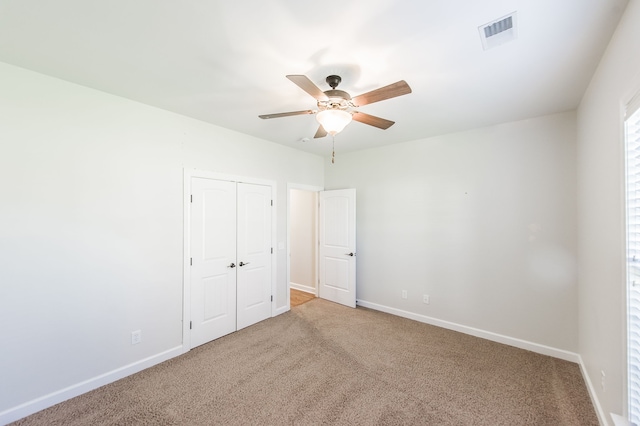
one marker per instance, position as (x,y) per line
(323,363)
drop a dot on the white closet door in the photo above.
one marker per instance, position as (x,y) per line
(213,256)
(254,253)
(338,246)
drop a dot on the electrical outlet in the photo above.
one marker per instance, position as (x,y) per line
(404,294)
(136,337)
(425,298)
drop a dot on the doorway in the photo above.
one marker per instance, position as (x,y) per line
(329,258)
(302,259)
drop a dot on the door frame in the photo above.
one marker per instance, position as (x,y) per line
(186,264)
(309,188)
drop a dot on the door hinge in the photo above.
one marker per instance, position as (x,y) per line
(272,297)
(190,325)
(192,198)
(271,250)
(191,261)
(271,203)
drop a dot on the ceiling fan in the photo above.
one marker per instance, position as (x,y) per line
(336,108)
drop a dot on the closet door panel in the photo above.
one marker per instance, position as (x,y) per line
(254,253)
(213,257)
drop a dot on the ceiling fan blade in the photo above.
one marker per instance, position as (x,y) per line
(372,120)
(321,133)
(398,88)
(303,82)
(287,114)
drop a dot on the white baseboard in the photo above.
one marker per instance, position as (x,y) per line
(511,341)
(280,311)
(302,287)
(592,394)
(619,420)
(46,401)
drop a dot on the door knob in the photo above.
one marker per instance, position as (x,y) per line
(350,254)
(242,263)
(233,265)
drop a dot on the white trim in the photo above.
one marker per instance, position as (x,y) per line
(301,187)
(630,100)
(310,188)
(619,420)
(302,287)
(592,393)
(622,160)
(53,398)
(186,270)
(281,310)
(186,284)
(274,247)
(488,335)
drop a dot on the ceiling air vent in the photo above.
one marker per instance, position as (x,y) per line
(499,31)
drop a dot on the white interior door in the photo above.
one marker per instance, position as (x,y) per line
(337,254)
(254,254)
(213,257)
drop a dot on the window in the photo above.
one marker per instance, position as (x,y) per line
(632,142)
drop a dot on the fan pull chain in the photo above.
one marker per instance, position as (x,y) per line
(333,148)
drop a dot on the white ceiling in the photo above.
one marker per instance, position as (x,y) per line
(225,62)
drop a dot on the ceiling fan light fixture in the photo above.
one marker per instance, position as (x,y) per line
(333,120)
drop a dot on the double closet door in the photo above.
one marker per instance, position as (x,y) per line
(230,230)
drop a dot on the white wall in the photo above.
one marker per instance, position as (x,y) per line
(91,226)
(601,239)
(481,221)
(303,209)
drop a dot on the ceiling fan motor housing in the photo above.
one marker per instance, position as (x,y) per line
(338,99)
